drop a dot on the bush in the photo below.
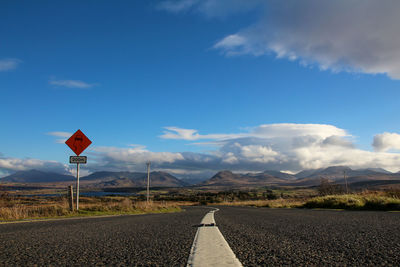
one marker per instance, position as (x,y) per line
(354,202)
(329,188)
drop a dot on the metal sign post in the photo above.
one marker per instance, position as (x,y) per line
(148,181)
(78,142)
(77,186)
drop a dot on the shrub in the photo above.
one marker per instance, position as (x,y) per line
(328,188)
(354,202)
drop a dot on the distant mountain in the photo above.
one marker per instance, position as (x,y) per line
(306,173)
(104,176)
(337,173)
(193,181)
(377,170)
(35,176)
(280,175)
(223,178)
(98,179)
(304,178)
(230,179)
(131,179)
(333,173)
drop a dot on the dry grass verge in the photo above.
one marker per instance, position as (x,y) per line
(368,200)
(275,203)
(29,208)
(355,202)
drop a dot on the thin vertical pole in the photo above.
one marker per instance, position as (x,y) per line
(77,186)
(71,198)
(345,179)
(148,182)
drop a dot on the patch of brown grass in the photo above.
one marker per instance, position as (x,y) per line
(367,200)
(275,203)
(17,208)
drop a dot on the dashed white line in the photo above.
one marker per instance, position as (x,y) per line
(210,247)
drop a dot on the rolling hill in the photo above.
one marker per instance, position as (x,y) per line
(230,179)
(132,179)
(97,179)
(35,176)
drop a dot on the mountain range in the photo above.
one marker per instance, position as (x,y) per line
(304,178)
(226,178)
(98,179)
(35,176)
(132,179)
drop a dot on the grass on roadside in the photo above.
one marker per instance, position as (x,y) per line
(354,202)
(385,201)
(275,203)
(33,208)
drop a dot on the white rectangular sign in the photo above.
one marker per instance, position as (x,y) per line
(78,159)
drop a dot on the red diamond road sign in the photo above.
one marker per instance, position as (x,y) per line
(78,142)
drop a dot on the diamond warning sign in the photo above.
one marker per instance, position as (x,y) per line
(78,142)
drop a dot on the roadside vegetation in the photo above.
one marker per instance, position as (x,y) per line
(361,201)
(326,196)
(17,208)
(357,201)
(334,196)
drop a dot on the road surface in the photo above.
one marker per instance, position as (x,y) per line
(257,236)
(297,237)
(137,240)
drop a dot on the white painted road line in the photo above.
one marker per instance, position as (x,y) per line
(210,247)
(209,218)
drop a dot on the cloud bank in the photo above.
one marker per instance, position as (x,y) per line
(10,165)
(284,147)
(386,141)
(287,146)
(359,36)
(62,136)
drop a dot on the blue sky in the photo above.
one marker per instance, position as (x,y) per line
(122,71)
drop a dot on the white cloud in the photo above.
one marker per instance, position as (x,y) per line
(64,135)
(287,146)
(210,8)
(8,165)
(262,131)
(179,133)
(298,130)
(9,64)
(358,36)
(386,141)
(231,41)
(128,158)
(177,6)
(190,134)
(72,84)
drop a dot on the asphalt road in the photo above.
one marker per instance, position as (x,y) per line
(139,240)
(276,237)
(258,237)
